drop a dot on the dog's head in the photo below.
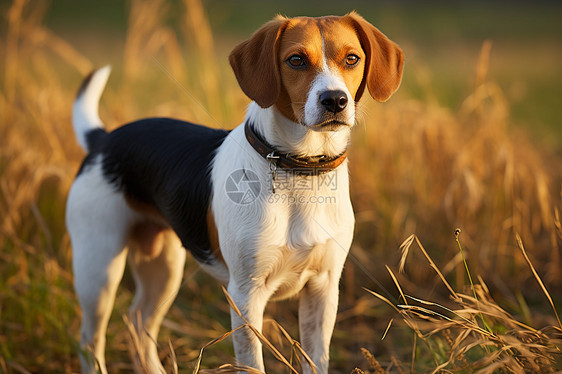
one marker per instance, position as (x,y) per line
(314,70)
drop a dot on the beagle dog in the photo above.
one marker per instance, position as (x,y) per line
(265,208)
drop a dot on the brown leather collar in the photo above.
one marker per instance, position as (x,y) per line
(301,165)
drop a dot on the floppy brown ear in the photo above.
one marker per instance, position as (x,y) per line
(385,60)
(255,63)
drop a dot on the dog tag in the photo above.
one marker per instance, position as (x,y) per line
(272,158)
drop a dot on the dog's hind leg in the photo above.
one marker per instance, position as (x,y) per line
(156,259)
(98,220)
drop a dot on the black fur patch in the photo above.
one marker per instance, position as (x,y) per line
(94,137)
(165,163)
(85,84)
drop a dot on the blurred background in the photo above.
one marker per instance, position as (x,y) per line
(442,41)
(472,140)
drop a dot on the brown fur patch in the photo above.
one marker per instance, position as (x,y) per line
(312,38)
(144,208)
(214,236)
(263,74)
(385,60)
(255,66)
(148,237)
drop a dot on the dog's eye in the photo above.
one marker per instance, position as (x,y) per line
(296,61)
(351,60)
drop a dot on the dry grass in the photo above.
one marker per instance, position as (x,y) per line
(473,333)
(416,167)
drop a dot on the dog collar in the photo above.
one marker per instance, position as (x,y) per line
(302,165)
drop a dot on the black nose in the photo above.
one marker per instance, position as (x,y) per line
(334,101)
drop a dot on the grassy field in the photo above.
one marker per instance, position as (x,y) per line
(472,141)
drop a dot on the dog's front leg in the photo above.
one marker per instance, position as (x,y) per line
(318,306)
(251,301)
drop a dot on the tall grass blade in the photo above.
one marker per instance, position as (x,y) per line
(434,266)
(484,322)
(397,284)
(258,334)
(538,278)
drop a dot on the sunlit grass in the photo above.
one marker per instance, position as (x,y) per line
(416,168)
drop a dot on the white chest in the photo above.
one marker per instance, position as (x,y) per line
(307,227)
(280,239)
(306,210)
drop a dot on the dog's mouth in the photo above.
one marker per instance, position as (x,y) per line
(328,125)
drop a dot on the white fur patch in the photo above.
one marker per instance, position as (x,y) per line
(99,219)
(275,246)
(85,115)
(326,80)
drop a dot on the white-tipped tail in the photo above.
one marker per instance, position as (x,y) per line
(85,116)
